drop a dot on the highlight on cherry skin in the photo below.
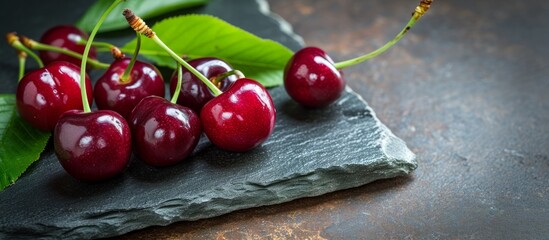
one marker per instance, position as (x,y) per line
(163,133)
(194,93)
(64,36)
(44,94)
(241,118)
(92,146)
(311,79)
(122,95)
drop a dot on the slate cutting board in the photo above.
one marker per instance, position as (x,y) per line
(311,152)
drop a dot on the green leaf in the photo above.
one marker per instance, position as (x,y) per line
(142,8)
(20,144)
(207,36)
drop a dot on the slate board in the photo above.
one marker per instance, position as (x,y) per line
(311,152)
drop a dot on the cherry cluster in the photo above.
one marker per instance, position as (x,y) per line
(208,96)
(133,114)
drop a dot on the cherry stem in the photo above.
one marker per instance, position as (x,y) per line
(22,60)
(126,76)
(418,13)
(13,40)
(178,86)
(45,47)
(208,83)
(105,45)
(139,26)
(117,54)
(220,77)
(87,51)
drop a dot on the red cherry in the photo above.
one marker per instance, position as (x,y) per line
(92,146)
(241,118)
(194,94)
(163,133)
(46,93)
(112,93)
(64,36)
(311,79)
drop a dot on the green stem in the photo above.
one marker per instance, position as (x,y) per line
(87,51)
(375,53)
(178,86)
(19,46)
(191,69)
(105,45)
(418,13)
(139,26)
(44,47)
(127,73)
(22,60)
(220,77)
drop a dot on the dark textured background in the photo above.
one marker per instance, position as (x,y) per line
(467,89)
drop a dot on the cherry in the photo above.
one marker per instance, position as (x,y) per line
(114,92)
(311,78)
(64,36)
(241,118)
(46,93)
(163,133)
(92,146)
(194,94)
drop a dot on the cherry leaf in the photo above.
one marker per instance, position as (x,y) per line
(198,35)
(20,143)
(144,9)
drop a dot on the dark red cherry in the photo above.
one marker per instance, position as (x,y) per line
(163,133)
(311,79)
(194,94)
(112,93)
(92,146)
(241,118)
(46,93)
(64,36)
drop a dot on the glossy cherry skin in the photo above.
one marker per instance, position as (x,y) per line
(92,146)
(46,93)
(112,93)
(241,118)
(163,133)
(311,79)
(64,36)
(194,94)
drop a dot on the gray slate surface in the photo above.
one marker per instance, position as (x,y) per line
(311,152)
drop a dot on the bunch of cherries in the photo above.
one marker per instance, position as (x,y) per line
(235,113)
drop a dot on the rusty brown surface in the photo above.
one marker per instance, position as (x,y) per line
(467,89)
